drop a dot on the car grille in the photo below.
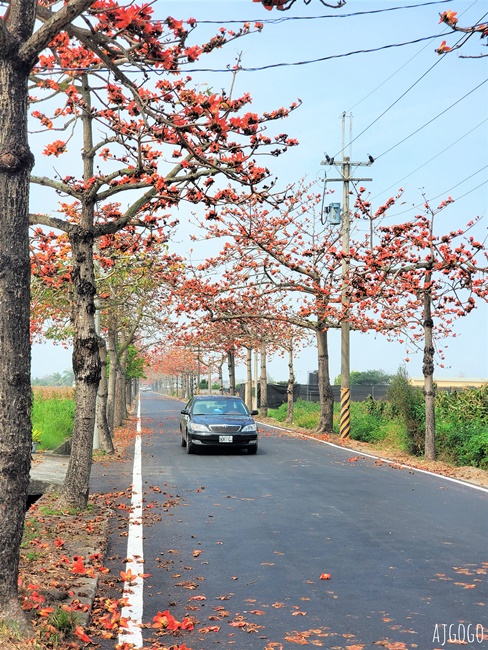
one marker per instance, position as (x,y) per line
(225,428)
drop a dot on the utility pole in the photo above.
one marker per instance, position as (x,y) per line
(345,171)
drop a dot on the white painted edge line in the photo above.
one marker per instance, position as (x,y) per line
(133,590)
(354,452)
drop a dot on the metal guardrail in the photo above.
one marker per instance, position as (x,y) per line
(310,392)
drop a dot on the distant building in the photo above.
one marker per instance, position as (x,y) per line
(452,382)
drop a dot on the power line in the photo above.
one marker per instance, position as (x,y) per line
(391,105)
(442,194)
(431,159)
(432,120)
(379,117)
(276,21)
(319,60)
(396,71)
(446,193)
(385,81)
(470,191)
(407,91)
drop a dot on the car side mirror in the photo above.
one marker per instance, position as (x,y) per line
(254,412)
(185,412)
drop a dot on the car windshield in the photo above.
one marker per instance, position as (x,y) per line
(220,407)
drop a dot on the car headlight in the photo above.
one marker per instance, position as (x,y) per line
(248,428)
(201,428)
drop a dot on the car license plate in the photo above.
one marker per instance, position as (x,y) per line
(225,438)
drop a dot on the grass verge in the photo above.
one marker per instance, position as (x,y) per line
(53,412)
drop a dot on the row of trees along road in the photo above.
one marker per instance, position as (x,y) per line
(286,265)
(106,78)
(93,63)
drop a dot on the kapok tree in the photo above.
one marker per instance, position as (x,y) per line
(133,274)
(145,127)
(131,270)
(450,19)
(213,343)
(291,339)
(422,282)
(170,329)
(19,48)
(227,337)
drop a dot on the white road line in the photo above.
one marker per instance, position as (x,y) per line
(133,589)
(356,452)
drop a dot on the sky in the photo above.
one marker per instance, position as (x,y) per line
(423,117)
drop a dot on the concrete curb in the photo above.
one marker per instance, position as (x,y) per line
(47,473)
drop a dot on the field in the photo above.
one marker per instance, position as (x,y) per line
(53,410)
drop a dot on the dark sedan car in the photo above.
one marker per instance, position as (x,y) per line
(218,421)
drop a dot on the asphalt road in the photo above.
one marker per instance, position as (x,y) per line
(240,543)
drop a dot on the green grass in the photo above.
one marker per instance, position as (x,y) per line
(61,624)
(53,419)
(33,556)
(31,532)
(463,443)
(366,426)
(56,512)
(305,414)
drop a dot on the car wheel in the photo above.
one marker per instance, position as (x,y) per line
(190,447)
(252,450)
(183,441)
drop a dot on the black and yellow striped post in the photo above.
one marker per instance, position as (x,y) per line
(345,424)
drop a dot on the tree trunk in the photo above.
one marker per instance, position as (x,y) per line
(106,443)
(231,362)
(86,357)
(112,374)
(291,385)
(248,393)
(122,390)
(120,413)
(326,395)
(221,378)
(428,371)
(16,162)
(130,391)
(263,384)
(209,377)
(86,367)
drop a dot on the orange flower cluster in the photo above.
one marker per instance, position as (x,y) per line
(167,621)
